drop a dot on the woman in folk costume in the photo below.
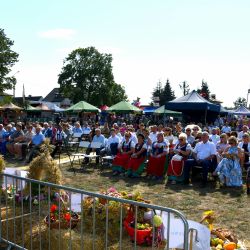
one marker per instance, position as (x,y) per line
(136,162)
(157,161)
(181,151)
(126,149)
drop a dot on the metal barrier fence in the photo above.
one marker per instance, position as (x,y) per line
(26,224)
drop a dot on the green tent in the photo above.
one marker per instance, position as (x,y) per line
(161,111)
(29,108)
(124,107)
(82,107)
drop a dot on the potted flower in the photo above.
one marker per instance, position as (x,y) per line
(65,218)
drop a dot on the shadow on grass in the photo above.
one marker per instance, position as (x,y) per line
(211,188)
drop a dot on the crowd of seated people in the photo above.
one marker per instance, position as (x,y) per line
(173,150)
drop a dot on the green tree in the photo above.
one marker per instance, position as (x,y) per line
(204,90)
(7,59)
(87,75)
(241,101)
(167,93)
(184,86)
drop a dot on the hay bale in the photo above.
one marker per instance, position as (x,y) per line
(2,164)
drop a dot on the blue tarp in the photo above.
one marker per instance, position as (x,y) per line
(149,110)
(192,101)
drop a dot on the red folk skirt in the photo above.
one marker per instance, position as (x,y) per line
(156,166)
(135,163)
(121,160)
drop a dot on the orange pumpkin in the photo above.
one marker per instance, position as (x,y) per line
(230,246)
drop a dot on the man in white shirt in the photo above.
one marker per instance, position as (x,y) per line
(214,137)
(111,147)
(153,134)
(226,128)
(204,156)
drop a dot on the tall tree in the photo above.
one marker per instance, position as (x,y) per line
(167,93)
(87,75)
(184,86)
(204,90)
(7,60)
(241,101)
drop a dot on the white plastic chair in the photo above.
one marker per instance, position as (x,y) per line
(93,155)
(82,145)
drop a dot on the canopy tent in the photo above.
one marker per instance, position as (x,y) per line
(53,107)
(124,107)
(192,101)
(83,107)
(161,110)
(11,106)
(223,111)
(194,106)
(241,111)
(42,107)
(29,108)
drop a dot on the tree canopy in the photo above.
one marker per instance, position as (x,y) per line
(241,101)
(87,76)
(204,90)
(165,93)
(7,60)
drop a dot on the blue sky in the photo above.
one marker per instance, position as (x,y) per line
(150,40)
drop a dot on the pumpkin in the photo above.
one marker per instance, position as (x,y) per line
(230,246)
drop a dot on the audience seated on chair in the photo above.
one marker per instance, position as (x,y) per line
(21,147)
(97,138)
(204,156)
(36,142)
(136,162)
(126,149)
(177,164)
(157,166)
(111,146)
(16,136)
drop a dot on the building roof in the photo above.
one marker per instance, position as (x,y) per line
(54,96)
(28,98)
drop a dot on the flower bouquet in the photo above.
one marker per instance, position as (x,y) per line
(63,218)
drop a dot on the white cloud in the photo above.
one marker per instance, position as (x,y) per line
(57,34)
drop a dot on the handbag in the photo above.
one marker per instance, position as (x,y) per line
(177,157)
(176,168)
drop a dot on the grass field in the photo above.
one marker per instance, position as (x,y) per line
(232,205)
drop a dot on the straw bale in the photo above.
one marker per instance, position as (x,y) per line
(2,164)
